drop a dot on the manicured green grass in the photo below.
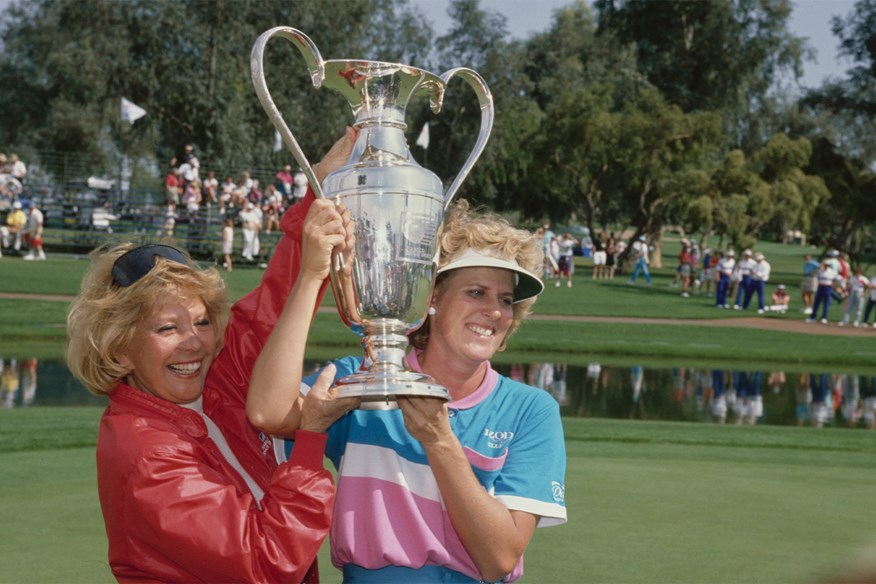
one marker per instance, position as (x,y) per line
(648,502)
(35,328)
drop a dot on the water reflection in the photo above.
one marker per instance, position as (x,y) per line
(31,382)
(731,396)
(723,396)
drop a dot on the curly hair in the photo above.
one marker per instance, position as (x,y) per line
(103,318)
(464,229)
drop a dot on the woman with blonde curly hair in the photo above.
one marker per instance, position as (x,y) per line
(190,491)
(444,491)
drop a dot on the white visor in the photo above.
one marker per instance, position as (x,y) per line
(525,284)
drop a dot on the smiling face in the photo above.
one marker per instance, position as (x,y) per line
(473,315)
(172,351)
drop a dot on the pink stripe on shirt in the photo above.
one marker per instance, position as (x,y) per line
(377,524)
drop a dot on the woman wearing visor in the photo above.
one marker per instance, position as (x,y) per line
(190,491)
(441,491)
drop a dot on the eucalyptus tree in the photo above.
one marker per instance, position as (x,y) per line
(767,195)
(793,195)
(737,192)
(719,55)
(478,39)
(659,146)
(579,83)
(66,64)
(845,219)
(852,97)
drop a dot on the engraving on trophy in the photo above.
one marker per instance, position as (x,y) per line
(382,288)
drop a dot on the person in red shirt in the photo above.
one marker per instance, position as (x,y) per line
(189,490)
(172,186)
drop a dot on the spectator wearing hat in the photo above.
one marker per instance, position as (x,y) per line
(833,260)
(809,283)
(34,233)
(724,271)
(189,172)
(15,224)
(566,260)
(686,264)
(640,256)
(299,186)
(760,275)
(781,300)
(283,184)
(743,269)
(827,278)
(683,260)
(250,222)
(857,286)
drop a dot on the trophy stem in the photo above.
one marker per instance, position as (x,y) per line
(387,376)
(386,352)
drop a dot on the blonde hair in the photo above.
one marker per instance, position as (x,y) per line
(465,229)
(103,318)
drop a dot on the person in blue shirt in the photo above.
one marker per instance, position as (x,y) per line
(809,283)
(434,490)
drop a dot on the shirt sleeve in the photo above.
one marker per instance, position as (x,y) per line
(221,535)
(338,431)
(253,316)
(533,476)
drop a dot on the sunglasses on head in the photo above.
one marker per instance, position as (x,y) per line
(132,265)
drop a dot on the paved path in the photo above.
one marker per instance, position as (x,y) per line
(769,323)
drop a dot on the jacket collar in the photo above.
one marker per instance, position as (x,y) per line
(126,399)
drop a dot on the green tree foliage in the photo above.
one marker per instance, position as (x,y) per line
(844,220)
(767,195)
(627,116)
(720,55)
(852,99)
(66,64)
(478,40)
(578,82)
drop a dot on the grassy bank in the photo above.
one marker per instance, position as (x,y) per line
(648,502)
(36,328)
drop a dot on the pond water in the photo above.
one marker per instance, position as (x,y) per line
(598,391)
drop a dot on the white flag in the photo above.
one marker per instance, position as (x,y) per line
(278,141)
(131,112)
(423,138)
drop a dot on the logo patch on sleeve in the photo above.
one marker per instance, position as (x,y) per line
(558,491)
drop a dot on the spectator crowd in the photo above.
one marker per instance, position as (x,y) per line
(237,204)
(21,229)
(737,283)
(235,209)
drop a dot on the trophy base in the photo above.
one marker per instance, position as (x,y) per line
(379,390)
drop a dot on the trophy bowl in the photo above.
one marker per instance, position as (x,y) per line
(382,287)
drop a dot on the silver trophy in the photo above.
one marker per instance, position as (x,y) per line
(382,288)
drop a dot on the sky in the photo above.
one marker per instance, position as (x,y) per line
(810,19)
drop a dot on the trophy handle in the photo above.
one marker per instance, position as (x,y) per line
(315,65)
(485,99)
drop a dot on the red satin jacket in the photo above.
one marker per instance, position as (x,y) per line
(174,509)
